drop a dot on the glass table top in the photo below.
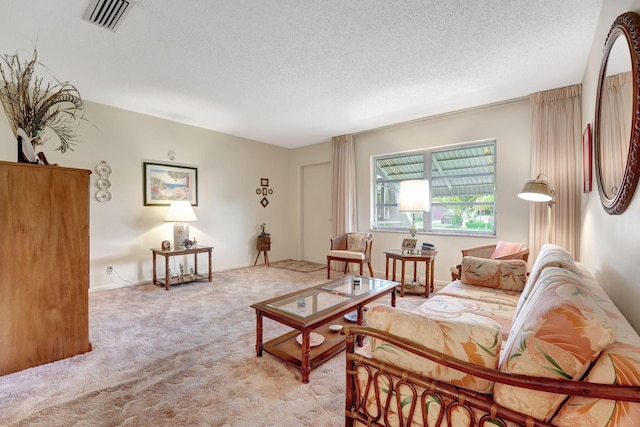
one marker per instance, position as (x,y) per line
(314,300)
(355,285)
(309,303)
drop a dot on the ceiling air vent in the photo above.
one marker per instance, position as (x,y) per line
(107,13)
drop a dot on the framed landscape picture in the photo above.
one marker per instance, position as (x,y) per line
(165,183)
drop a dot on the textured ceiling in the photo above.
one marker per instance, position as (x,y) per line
(297,72)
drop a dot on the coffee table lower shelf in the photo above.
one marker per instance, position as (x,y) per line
(286,347)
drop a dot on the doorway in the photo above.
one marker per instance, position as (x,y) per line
(316,212)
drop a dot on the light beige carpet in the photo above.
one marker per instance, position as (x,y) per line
(301,266)
(183,357)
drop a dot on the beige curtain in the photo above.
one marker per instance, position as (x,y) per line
(615,128)
(556,138)
(344,185)
(344,215)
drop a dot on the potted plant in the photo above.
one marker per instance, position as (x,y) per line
(33,106)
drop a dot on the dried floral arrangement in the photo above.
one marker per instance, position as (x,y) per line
(34,106)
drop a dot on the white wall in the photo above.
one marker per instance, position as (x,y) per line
(609,242)
(509,123)
(229,171)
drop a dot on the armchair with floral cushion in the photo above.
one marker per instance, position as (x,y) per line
(351,248)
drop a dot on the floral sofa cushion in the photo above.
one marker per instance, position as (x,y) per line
(618,364)
(357,242)
(477,293)
(549,256)
(467,337)
(559,331)
(625,333)
(446,306)
(509,275)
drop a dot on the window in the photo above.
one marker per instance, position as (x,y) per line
(462,184)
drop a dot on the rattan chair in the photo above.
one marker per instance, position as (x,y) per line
(351,248)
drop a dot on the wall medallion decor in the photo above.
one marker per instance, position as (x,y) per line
(263,190)
(104,170)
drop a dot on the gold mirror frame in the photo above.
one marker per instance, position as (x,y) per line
(626,25)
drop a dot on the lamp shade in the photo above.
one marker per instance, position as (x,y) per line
(537,190)
(414,196)
(180,211)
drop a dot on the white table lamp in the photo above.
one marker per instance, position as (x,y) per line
(180,211)
(414,197)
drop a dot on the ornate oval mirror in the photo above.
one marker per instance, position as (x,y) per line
(617,120)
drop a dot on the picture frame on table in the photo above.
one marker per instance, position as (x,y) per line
(164,184)
(409,245)
(587,160)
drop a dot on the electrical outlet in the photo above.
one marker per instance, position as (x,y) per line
(109,269)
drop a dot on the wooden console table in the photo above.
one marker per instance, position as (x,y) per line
(168,281)
(426,256)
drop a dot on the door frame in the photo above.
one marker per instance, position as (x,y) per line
(301,205)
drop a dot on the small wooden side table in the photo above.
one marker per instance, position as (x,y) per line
(168,281)
(263,246)
(426,256)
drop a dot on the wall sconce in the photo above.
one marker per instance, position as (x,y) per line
(180,211)
(414,197)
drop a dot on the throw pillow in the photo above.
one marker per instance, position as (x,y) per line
(509,275)
(505,248)
(357,242)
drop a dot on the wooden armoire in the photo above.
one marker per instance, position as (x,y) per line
(44,264)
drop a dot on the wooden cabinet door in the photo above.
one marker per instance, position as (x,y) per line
(44,264)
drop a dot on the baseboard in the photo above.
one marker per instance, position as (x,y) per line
(128,284)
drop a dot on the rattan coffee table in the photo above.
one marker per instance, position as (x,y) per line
(312,310)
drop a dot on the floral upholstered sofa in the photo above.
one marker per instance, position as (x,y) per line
(499,347)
